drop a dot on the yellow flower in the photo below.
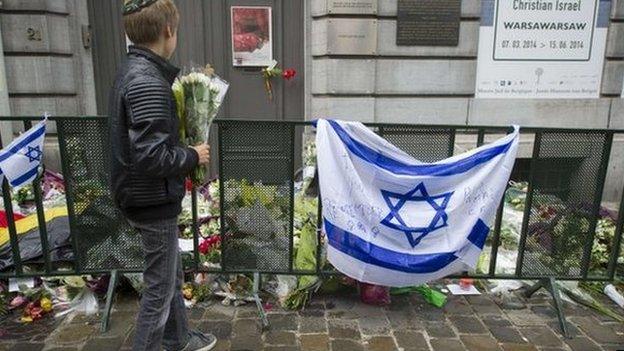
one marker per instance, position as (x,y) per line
(187,292)
(26,319)
(46,304)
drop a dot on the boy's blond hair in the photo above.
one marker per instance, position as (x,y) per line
(146,25)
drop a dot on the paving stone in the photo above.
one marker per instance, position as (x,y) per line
(618,328)
(85,319)
(222,345)
(582,344)
(374,326)
(510,302)
(120,324)
(446,345)
(364,311)
(219,312)
(126,302)
(525,318)
(612,347)
(312,325)
(541,336)
(11,329)
(518,347)
(405,319)
(71,334)
(479,343)
(439,330)
(313,310)
(247,312)
(598,332)
(220,329)
(342,307)
(65,348)
(479,300)
(426,311)
(410,340)
(547,312)
(576,311)
(281,348)
(573,330)
(507,334)
(314,342)
(343,329)
(399,302)
(496,320)
(246,342)
(467,324)
(279,337)
(281,321)
(381,343)
(346,345)
(342,302)
(129,339)
(457,305)
(487,309)
(27,346)
(196,313)
(103,344)
(245,327)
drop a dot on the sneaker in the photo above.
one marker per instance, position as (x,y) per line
(200,342)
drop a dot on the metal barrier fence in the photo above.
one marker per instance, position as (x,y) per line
(566,170)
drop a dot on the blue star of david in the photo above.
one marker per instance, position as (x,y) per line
(33,154)
(416,234)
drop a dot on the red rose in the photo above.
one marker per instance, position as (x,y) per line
(289,74)
(188,184)
(204,247)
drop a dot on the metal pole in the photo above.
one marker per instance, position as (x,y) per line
(528,203)
(43,229)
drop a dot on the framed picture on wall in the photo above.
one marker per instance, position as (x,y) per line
(252,36)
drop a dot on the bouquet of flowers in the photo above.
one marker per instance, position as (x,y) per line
(198,96)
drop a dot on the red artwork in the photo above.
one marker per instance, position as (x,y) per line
(251,36)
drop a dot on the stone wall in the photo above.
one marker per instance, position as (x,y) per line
(416,84)
(48,67)
(47,62)
(436,85)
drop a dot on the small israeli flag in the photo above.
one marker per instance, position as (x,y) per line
(395,221)
(20,160)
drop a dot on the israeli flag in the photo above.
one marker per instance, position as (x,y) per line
(395,221)
(20,160)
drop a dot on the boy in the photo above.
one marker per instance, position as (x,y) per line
(148,170)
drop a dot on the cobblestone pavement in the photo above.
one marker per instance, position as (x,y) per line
(344,324)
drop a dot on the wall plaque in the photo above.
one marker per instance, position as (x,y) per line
(428,22)
(347,36)
(352,6)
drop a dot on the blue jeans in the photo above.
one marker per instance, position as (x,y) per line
(162,317)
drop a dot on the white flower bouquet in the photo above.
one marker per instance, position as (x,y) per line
(198,96)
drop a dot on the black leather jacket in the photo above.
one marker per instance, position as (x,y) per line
(148,164)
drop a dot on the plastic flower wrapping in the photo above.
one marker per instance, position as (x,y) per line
(198,96)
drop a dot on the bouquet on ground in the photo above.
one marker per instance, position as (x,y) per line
(198,96)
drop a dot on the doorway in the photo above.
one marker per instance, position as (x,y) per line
(205,38)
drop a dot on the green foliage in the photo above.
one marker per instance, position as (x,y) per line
(201,292)
(507,239)
(4,304)
(603,244)
(24,195)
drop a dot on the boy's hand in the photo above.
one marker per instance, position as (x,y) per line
(203,151)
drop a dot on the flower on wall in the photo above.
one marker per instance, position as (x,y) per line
(271,72)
